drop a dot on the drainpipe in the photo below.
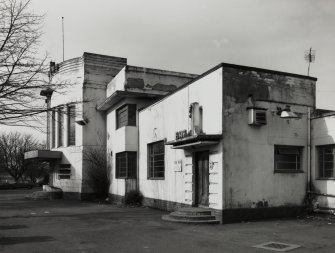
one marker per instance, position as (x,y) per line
(309,172)
(138,152)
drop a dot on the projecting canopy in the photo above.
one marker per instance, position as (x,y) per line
(43,155)
(195,141)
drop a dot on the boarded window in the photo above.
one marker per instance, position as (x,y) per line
(126,116)
(156,160)
(126,164)
(71,127)
(287,158)
(53,129)
(60,127)
(326,156)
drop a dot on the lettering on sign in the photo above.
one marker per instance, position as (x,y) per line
(181,134)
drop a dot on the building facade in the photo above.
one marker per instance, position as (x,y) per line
(242,141)
(234,153)
(322,184)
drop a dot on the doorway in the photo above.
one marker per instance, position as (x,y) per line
(201,178)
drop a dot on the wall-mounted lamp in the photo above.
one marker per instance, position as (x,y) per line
(83,121)
(286,113)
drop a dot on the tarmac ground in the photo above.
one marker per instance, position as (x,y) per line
(75,226)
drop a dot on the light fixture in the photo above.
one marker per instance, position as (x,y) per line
(83,121)
(46,93)
(286,113)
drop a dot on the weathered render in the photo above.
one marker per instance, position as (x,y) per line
(250,181)
(322,188)
(242,180)
(140,87)
(96,85)
(86,78)
(161,121)
(243,142)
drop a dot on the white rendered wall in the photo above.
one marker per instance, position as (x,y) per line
(323,133)
(162,120)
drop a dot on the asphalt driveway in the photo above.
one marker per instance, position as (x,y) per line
(74,226)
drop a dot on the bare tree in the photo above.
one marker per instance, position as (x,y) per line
(23,74)
(12,149)
(37,171)
(98,170)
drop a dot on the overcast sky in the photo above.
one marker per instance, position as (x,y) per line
(193,35)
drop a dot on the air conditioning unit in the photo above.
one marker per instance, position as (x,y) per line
(257,116)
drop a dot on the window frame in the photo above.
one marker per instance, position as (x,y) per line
(299,162)
(128,155)
(323,147)
(71,121)
(60,126)
(150,146)
(131,117)
(53,128)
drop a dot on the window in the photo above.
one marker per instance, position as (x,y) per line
(156,153)
(71,125)
(60,126)
(53,129)
(326,161)
(288,159)
(64,171)
(126,164)
(126,116)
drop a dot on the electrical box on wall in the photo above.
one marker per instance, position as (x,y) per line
(257,116)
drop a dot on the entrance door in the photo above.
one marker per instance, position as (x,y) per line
(201,178)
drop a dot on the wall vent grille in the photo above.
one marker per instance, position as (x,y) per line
(257,117)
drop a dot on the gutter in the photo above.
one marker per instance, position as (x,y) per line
(138,152)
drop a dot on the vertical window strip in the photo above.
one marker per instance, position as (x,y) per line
(60,126)
(71,125)
(53,129)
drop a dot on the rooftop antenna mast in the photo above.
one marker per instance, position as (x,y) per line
(63,35)
(309,57)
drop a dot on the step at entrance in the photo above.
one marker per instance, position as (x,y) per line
(192,215)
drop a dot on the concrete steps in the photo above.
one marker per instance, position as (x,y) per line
(192,215)
(48,192)
(39,195)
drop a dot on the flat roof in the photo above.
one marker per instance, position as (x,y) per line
(159,72)
(229,65)
(118,95)
(267,71)
(43,154)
